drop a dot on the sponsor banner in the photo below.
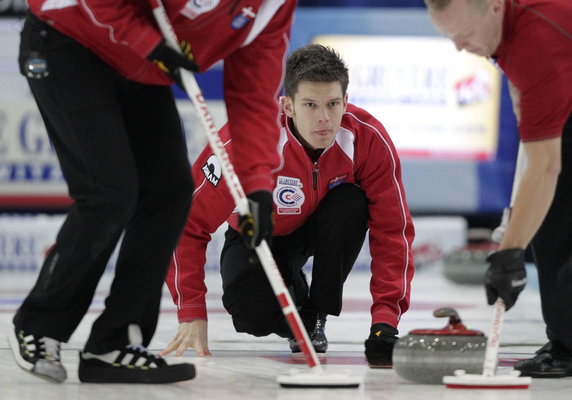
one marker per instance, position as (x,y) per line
(28,163)
(434,101)
(25,239)
(30,175)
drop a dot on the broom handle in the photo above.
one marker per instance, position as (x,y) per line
(491,354)
(493,342)
(521,162)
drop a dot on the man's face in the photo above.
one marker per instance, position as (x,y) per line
(475,28)
(317,110)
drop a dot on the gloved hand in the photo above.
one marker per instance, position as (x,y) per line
(170,60)
(506,276)
(379,345)
(257,224)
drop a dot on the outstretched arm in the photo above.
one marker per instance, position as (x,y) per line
(535,192)
(506,276)
(211,206)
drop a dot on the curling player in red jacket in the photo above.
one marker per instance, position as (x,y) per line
(339,177)
(100,73)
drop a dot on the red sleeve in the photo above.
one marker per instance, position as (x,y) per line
(391,229)
(252,80)
(128,22)
(211,206)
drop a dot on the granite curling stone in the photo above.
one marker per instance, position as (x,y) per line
(468,264)
(427,355)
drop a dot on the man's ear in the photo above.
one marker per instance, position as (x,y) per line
(287,106)
(345,102)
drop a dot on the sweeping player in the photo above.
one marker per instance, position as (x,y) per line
(101,74)
(531,41)
(339,176)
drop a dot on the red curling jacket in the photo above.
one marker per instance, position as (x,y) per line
(362,153)
(251,36)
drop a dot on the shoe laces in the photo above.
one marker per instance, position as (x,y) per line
(143,352)
(320,321)
(140,350)
(49,349)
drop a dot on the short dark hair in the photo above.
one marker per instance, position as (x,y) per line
(314,63)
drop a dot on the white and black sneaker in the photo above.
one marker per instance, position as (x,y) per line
(38,355)
(132,364)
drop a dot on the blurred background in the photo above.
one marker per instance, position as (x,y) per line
(448,113)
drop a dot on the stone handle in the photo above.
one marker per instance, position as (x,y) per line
(448,312)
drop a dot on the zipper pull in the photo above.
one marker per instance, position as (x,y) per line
(315,175)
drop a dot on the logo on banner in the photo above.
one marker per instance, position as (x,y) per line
(242,18)
(194,8)
(288,195)
(337,180)
(474,88)
(212,170)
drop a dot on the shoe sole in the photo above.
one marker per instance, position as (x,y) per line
(546,375)
(28,366)
(320,350)
(15,346)
(317,349)
(300,352)
(380,366)
(170,374)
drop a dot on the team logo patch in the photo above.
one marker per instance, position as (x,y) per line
(194,8)
(337,180)
(240,20)
(288,195)
(212,170)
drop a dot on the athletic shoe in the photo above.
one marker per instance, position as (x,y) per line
(552,360)
(37,355)
(132,364)
(379,345)
(317,336)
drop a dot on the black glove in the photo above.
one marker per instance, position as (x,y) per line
(170,60)
(379,345)
(258,223)
(506,276)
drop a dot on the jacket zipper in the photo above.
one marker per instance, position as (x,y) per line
(315,175)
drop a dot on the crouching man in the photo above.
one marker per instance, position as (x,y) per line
(340,176)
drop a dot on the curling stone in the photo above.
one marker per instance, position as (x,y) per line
(427,355)
(468,264)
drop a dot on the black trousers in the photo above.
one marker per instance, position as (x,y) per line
(121,148)
(552,251)
(333,234)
